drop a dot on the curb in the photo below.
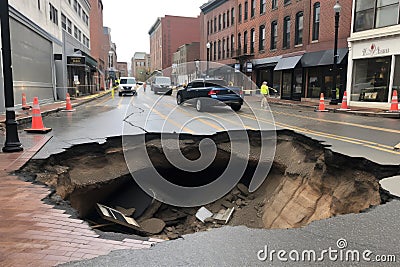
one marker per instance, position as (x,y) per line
(28,119)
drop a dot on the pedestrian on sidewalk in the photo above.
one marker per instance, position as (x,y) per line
(265,93)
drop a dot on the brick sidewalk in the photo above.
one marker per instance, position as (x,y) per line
(33,233)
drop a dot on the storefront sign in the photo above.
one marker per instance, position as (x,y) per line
(374,50)
(249,67)
(76,60)
(237,67)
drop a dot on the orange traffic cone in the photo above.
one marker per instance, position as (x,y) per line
(37,122)
(24,105)
(68,106)
(344,102)
(321,107)
(395,103)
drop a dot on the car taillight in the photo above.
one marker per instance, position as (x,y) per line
(213,92)
(240,92)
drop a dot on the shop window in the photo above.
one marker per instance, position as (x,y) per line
(298,81)
(299,29)
(396,81)
(277,80)
(371,14)
(315,29)
(314,83)
(371,79)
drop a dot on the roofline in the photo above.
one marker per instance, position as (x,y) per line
(211,5)
(155,25)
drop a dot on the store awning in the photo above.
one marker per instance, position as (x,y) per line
(288,63)
(80,58)
(322,58)
(266,62)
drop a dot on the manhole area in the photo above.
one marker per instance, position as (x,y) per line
(307,182)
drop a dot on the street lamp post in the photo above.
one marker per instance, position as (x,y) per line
(208,57)
(12,143)
(337,8)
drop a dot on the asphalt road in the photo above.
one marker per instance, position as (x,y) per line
(370,137)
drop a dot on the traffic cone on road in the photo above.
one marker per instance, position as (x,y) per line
(24,105)
(344,106)
(395,103)
(37,122)
(321,107)
(68,106)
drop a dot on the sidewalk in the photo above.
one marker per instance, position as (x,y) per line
(33,233)
(25,116)
(360,111)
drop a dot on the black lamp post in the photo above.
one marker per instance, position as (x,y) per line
(208,57)
(12,143)
(337,8)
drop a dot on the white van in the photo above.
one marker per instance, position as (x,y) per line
(127,85)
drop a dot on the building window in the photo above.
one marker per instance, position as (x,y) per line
(274,34)
(232,16)
(246,10)
(261,44)
(371,14)
(219,22)
(245,42)
(215,24)
(286,32)
(63,21)
(263,6)
(85,18)
(76,5)
(286,2)
(252,40)
(77,34)
(85,41)
(219,49)
(223,48)
(240,13)
(239,43)
(53,14)
(227,47)
(371,79)
(224,21)
(274,4)
(227,18)
(79,10)
(299,29)
(69,26)
(208,27)
(232,44)
(215,50)
(211,26)
(315,32)
(253,8)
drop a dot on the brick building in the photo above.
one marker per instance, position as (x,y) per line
(288,43)
(167,35)
(184,65)
(98,50)
(140,65)
(123,69)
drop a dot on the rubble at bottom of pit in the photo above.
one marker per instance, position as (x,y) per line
(313,183)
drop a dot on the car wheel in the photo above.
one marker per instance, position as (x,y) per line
(119,94)
(179,99)
(236,107)
(199,105)
(169,92)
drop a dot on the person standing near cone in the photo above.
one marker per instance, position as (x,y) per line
(265,93)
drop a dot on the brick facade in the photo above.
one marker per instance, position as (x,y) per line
(168,34)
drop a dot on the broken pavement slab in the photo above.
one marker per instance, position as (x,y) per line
(203,213)
(224,215)
(392,185)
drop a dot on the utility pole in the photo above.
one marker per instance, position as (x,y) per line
(12,143)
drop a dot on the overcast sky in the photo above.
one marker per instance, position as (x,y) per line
(131,20)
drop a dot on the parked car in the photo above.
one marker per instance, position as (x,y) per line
(210,92)
(127,85)
(161,84)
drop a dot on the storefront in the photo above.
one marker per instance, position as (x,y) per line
(264,71)
(81,69)
(374,71)
(290,74)
(318,71)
